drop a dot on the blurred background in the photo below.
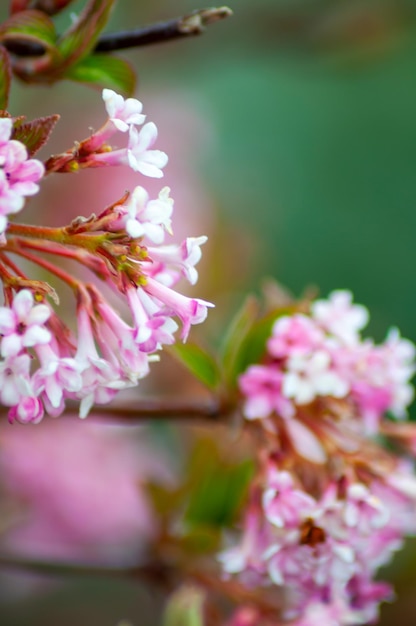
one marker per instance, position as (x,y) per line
(291,134)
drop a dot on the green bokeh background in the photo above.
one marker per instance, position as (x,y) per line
(313,105)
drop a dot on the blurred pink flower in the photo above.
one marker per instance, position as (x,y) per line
(80,488)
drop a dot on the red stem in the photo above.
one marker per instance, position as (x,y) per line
(50,267)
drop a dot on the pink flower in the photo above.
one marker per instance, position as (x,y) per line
(189,310)
(18,174)
(28,410)
(152,328)
(262,387)
(15,379)
(283,505)
(55,378)
(81,485)
(185,256)
(22,173)
(101,380)
(22,325)
(290,335)
(148,218)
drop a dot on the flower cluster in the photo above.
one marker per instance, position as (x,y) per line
(45,362)
(329,505)
(323,355)
(18,174)
(323,550)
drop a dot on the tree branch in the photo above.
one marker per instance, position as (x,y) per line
(186,26)
(157,572)
(212,410)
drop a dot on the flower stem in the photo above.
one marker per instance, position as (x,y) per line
(50,267)
(58,235)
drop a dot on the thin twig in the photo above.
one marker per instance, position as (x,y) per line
(186,26)
(156,572)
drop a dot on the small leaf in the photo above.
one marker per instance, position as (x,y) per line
(80,39)
(5,78)
(217,486)
(235,336)
(36,133)
(29,25)
(201,364)
(103,70)
(219,495)
(200,540)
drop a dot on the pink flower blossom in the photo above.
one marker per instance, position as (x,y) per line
(149,218)
(284,505)
(19,175)
(262,387)
(22,325)
(80,491)
(185,256)
(189,310)
(294,334)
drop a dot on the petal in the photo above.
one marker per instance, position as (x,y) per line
(11,345)
(35,335)
(305,442)
(38,315)
(23,303)
(7,320)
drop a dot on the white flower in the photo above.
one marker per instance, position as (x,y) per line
(122,112)
(140,158)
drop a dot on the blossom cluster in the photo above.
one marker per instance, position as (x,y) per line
(329,504)
(323,355)
(19,175)
(45,362)
(323,551)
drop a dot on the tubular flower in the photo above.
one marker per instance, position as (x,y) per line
(45,362)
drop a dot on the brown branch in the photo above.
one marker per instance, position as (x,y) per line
(152,572)
(159,573)
(186,26)
(212,410)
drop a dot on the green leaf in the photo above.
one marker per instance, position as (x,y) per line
(254,345)
(200,539)
(5,78)
(103,70)
(231,350)
(80,39)
(36,133)
(200,363)
(30,25)
(217,487)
